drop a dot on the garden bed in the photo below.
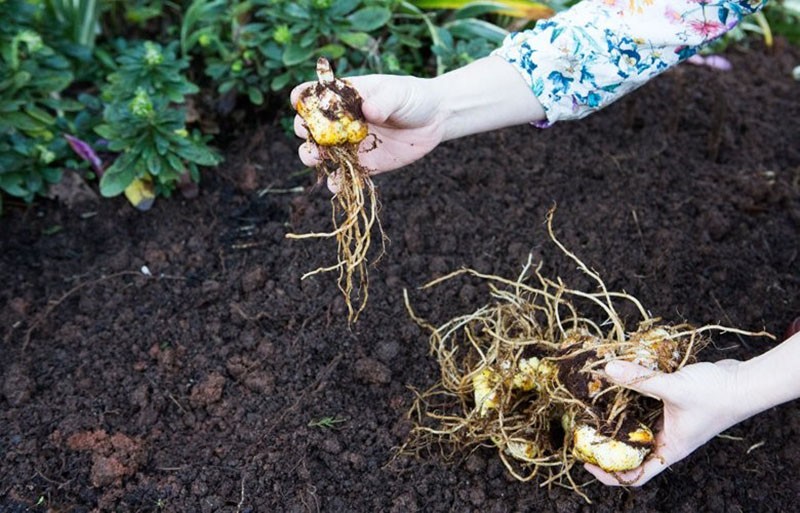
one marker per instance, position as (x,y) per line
(224,383)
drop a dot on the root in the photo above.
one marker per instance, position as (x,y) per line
(524,372)
(354,214)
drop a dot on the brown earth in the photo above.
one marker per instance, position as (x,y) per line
(202,387)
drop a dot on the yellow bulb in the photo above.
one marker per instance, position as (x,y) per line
(607,453)
(330,118)
(484,386)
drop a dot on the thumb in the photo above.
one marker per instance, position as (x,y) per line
(640,379)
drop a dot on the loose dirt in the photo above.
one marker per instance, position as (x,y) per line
(206,386)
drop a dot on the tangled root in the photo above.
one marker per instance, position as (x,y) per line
(332,111)
(524,374)
(354,214)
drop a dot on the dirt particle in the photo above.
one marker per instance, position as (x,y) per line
(17,385)
(208,391)
(238,365)
(119,261)
(331,445)
(477,496)
(199,488)
(405,503)
(356,460)
(475,464)
(106,470)
(248,178)
(254,279)
(266,349)
(467,294)
(372,371)
(260,381)
(140,396)
(210,290)
(154,255)
(19,306)
(113,457)
(387,350)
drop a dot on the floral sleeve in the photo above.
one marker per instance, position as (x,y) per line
(587,57)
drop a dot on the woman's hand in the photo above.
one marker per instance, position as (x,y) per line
(700,401)
(403,116)
(408,116)
(704,399)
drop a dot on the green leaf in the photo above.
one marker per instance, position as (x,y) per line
(470,29)
(309,38)
(370,18)
(106,132)
(162,144)
(295,54)
(21,78)
(280,81)
(294,10)
(408,40)
(52,174)
(255,95)
(175,163)
(342,7)
(357,40)
(197,154)
(65,104)
(153,162)
(22,121)
(40,115)
(118,176)
(332,51)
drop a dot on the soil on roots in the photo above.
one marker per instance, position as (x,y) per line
(207,386)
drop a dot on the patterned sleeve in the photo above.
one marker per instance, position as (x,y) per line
(587,57)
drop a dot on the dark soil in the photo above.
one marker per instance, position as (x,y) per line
(202,387)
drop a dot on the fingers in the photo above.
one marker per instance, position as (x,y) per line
(309,154)
(300,129)
(637,378)
(294,96)
(333,183)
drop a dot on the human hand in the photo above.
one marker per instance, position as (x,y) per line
(410,116)
(700,401)
(403,116)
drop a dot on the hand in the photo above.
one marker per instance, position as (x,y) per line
(403,116)
(700,401)
(410,116)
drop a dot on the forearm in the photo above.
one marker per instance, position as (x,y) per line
(599,50)
(485,95)
(769,379)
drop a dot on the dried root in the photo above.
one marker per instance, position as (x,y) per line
(524,374)
(332,111)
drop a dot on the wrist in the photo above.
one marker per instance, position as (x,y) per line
(769,379)
(485,95)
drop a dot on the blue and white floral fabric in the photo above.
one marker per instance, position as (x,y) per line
(585,58)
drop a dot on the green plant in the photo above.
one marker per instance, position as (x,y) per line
(266,45)
(326,422)
(778,18)
(32,76)
(143,121)
(460,32)
(783,17)
(78,19)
